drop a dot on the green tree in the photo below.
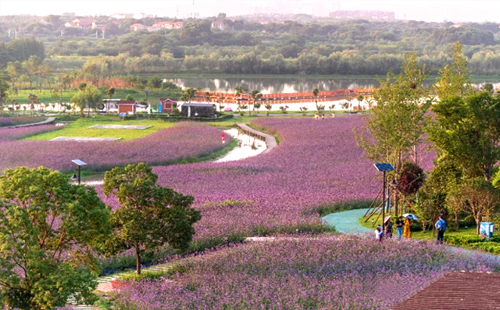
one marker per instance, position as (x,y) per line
(48,230)
(110,92)
(15,71)
(93,97)
(477,197)
(467,131)
(150,215)
(32,67)
(240,90)
(4,93)
(315,93)
(188,94)
(454,79)
(396,125)
(96,68)
(268,108)
(255,95)
(78,100)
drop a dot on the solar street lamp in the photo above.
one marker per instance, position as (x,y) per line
(384,167)
(79,163)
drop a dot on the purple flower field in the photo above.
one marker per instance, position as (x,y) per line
(18,133)
(183,140)
(305,273)
(15,120)
(317,162)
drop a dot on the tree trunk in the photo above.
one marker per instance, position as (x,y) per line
(138,260)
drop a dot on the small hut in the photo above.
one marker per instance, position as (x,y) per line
(168,104)
(198,110)
(128,107)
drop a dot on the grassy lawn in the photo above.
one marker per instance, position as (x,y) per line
(80,128)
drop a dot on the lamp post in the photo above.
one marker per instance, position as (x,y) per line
(384,167)
(395,186)
(79,163)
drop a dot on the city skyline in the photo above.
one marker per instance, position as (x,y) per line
(426,10)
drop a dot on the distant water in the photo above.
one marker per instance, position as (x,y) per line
(272,85)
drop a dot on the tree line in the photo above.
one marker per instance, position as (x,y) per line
(52,231)
(461,124)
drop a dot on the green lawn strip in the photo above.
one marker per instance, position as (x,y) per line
(80,128)
(466,238)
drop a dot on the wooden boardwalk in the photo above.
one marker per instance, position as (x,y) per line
(270,140)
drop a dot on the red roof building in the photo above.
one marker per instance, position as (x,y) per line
(457,291)
(128,107)
(167,104)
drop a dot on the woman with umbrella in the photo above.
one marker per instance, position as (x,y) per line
(407,228)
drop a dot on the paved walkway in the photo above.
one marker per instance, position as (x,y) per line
(270,140)
(347,221)
(45,122)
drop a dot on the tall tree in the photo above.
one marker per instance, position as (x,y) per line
(396,125)
(93,97)
(80,101)
(32,68)
(315,93)
(96,68)
(150,216)
(255,95)
(49,230)
(454,79)
(188,94)
(467,131)
(15,71)
(476,197)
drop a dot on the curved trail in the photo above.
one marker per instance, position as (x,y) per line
(45,122)
(347,221)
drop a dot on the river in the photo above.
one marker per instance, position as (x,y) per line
(291,84)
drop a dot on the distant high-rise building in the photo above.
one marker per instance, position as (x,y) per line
(370,15)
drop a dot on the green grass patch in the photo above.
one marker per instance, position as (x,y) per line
(80,128)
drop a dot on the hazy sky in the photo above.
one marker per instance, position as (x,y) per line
(436,10)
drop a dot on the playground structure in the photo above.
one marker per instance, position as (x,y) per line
(281,98)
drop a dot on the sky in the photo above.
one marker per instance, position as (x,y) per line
(426,10)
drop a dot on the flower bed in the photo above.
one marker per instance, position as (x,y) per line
(184,140)
(17,120)
(306,273)
(317,162)
(18,133)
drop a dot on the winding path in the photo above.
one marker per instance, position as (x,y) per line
(347,221)
(45,122)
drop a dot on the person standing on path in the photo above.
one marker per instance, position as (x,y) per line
(407,229)
(399,227)
(441,228)
(379,234)
(388,228)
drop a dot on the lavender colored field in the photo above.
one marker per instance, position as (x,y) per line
(18,133)
(16,120)
(323,273)
(180,141)
(317,162)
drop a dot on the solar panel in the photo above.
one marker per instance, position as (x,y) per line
(384,167)
(79,162)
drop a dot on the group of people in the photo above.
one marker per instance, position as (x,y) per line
(322,116)
(403,229)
